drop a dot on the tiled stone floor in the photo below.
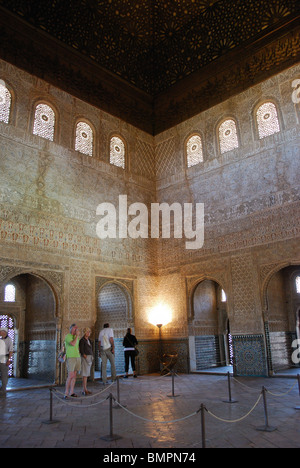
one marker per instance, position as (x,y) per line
(148,420)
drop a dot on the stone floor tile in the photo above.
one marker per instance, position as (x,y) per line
(148,419)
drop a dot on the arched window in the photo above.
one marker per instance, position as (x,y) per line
(228,137)
(267,120)
(44,121)
(117,152)
(5,103)
(298,284)
(223,296)
(194,151)
(10,293)
(84,138)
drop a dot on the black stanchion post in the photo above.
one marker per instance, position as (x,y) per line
(173,385)
(203,425)
(298,377)
(266,427)
(116,406)
(111,436)
(231,400)
(51,420)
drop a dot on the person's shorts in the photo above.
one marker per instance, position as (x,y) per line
(74,364)
(86,364)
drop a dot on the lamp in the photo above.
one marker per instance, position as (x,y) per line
(160,315)
(159,325)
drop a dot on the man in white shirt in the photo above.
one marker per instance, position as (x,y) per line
(6,353)
(107,351)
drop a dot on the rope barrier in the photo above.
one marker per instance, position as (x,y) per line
(236,420)
(254,389)
(202,409)
(87,396)
(155,421)
(283,394)
(244,385)
(66,402)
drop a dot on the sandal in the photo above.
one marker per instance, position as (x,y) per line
(74,395)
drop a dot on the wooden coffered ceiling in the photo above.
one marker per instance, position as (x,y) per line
(152,63)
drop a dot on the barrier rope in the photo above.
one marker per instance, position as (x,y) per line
(155,421)
(283,394)
(244,385)
(55,392)
(274,394)
(87,396)
(78,406)
(235,420)
(124,408)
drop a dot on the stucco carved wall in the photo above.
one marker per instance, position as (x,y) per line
(49,194)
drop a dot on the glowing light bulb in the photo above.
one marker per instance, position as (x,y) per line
(160,315)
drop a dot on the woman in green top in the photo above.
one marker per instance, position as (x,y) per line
(73,359)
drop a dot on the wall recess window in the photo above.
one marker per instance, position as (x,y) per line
(223,296)
(84,138)
(267,120)
(44,121)
(10,293)
(117,152)
(228,137)
(298,284)
(194,151)
(5,103)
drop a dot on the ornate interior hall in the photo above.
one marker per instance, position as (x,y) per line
(114,112)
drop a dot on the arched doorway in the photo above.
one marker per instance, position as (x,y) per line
(114,306)
(210,326)
(8,322)
(32,310)
(283,306)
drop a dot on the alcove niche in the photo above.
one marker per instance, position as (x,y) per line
(32,318)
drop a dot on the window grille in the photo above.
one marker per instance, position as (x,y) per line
(228,137)
(117,152)
(267,120)
(10,293)
(44,122)
(194,151)
(230,348)
(84,138)
(5,104)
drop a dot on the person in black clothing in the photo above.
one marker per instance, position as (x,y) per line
(129,344)
(86,351)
